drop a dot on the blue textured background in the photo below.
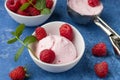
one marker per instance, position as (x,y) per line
(91,33)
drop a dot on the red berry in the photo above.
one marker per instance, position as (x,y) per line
(99,49)
(25,1)
(40,33)
(47,56)
(101,69)
(93,3)
(34,1)
(18,73)
(49,3)
(66,31)
(33,11)
(13,5)
(24,13)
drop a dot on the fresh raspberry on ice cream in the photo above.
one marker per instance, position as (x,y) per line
(47,56)
(66,31)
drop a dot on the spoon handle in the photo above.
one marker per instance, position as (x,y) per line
(109,31)
(113,36)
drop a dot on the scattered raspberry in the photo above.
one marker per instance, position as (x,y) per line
(93,3)
(101,69)
(33,11)
(13,5)
(49,3)
(40,33)
(99,49)
(24,13)
(18,73)
(25,1)
(66,31)
(47,56)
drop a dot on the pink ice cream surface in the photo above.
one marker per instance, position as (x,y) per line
(64,49)
(82,7)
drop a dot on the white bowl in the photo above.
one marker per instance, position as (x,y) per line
(30,20)
(53,28)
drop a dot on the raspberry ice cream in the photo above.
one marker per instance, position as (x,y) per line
(82,7)
(64,49)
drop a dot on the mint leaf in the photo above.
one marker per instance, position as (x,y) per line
(25,42)
(11,40)
(17,33)
(45,11)
(40,4)
(29,39)
(19,30)
(13,33)
(19,52)
(24,6)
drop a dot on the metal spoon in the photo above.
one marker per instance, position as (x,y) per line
(113,36)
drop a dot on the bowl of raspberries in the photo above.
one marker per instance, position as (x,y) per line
(30,12)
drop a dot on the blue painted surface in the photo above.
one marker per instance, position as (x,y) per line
(91,33)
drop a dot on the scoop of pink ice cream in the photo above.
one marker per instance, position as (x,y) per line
(82,7)
(64,49)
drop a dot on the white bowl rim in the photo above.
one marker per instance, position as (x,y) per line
(64,64)
(55,1)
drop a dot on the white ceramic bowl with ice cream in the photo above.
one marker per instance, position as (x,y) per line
(67,61)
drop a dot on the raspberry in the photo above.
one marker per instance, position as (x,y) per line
(49,3)
(40,33)
(66,31)
(99,49)
(18,73)
(101,69)
(93,3)
(33,11)
(13,5)
(24,13)
(25,1)
(47,56)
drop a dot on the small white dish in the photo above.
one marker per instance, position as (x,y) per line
(30,20)
(78,41)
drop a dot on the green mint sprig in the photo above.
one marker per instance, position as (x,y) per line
(27,40)
(24,6)
(45,11)
(40,5)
